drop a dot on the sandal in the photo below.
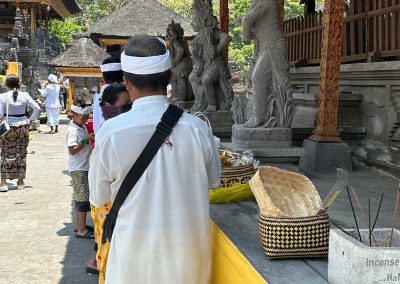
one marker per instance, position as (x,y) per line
(89,228)
(91,270)
(88,235)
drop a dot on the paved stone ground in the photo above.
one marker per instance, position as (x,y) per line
(37,243)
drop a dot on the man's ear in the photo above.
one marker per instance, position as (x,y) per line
(131,89)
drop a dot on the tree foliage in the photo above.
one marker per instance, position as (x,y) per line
(64,30)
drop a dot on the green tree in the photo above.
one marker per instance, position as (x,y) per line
(64,30)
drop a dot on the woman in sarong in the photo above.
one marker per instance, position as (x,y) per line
(14,143)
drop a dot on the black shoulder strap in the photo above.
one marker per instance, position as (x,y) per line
(164,129)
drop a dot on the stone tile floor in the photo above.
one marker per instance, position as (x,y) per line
(37,243)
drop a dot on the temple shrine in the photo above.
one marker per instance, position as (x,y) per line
(24,36)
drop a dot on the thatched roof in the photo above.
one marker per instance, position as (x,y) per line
(139,17)
(82,53)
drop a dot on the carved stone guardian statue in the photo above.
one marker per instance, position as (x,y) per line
(210,75)
(272,91)
(181,64)
(266,130)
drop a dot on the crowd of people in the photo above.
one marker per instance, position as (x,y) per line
(144,174)
(152,201)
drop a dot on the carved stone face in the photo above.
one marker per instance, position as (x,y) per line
(196,21)
(170,33)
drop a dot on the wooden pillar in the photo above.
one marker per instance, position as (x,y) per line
(281,11)
(224,15)
(33,25)
(330,71)
(71,91)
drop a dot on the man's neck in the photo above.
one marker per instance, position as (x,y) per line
(148,93)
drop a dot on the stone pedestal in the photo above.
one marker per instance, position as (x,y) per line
(221,123)
(267,144)
(325,157)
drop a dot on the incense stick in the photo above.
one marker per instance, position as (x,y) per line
(354,213)
(363,214)
(369,221)
(377,213)
(347,233)
(394,216)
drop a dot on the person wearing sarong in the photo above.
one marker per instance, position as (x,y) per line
(15,142)
(112,73)
(162,232)
(115,101)
(52,95)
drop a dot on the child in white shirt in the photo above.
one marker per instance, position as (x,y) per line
(79,150)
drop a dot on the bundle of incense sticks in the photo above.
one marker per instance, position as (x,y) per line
(328,200)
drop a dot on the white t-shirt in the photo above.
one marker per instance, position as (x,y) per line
(162,234)
(75,135)
(98,118)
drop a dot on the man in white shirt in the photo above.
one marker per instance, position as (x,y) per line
(112,73)
(162,233)
(52,95)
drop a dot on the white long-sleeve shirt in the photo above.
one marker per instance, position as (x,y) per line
(162,234)
(52,95)
(98,118)
(17,108)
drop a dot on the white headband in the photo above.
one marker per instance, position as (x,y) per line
(146,65)
(80,110)
(110,67)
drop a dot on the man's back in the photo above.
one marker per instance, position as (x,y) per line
(162,231)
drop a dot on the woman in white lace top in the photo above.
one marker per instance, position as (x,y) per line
(15,142)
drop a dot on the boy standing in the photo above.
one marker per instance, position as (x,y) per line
(79,151)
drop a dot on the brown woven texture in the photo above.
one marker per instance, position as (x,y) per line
(281,193)
(232,175)
(294,237)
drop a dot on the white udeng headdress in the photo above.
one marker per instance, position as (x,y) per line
(110,67)
(80,110)
(146,65)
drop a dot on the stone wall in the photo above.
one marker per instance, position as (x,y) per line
(378,112)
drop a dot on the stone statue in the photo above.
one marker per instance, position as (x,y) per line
(210,75)
(272,91)
(181,64)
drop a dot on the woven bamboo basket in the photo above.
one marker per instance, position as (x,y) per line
(282,194)
(240,174)
(288,225)
(294,237)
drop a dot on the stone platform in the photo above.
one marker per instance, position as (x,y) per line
(267,144)
(221,123)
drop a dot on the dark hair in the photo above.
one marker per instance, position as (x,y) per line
(12,82)
(145,46)
(113,76)
(111,93)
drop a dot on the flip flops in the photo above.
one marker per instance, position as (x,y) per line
(88,235)
(91,270)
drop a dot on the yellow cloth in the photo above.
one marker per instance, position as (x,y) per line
(99,215)
(235,193)
(229,264)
